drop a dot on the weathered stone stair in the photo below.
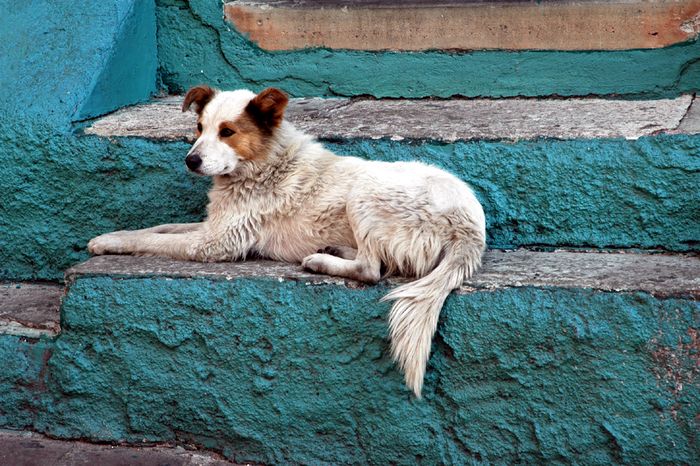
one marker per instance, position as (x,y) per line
(267,363)
(443,120)
(549,351)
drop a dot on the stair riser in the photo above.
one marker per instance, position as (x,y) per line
(197,45)
(286,372)
(588,193)
(580,193)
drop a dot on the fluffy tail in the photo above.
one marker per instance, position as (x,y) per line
(414,316)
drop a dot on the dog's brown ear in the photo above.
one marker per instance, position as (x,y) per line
(267,108)
(199,96)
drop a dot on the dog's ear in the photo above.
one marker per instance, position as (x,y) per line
(267,108)
(199,96)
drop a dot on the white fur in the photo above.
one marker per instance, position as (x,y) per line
(415,219)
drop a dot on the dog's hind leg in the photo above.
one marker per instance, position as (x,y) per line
(363,268)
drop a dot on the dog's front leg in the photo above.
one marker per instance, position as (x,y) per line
(203,242)
(165,228)
(183,246)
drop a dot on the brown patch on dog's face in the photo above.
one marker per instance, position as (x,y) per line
(266,109)
(245,137)
(200,96)
(248,135)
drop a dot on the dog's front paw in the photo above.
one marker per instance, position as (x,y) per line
(315,263)
(110,243)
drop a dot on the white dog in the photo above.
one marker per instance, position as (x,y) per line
(277,193)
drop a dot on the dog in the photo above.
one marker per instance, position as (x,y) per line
(278,193)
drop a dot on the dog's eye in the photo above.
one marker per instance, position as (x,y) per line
(226,132)
(199,127)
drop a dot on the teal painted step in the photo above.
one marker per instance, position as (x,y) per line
(197,45)
(594,192)
(534,363)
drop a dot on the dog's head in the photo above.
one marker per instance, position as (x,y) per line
(232,127)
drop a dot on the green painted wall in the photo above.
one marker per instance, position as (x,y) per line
(196,45)
(599,193)
(66,61)
(62,62)
(283,372)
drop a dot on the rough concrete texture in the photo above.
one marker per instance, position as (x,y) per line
(460,25)
(437,120)
(58,191)
(665,275)
(65,61)
(30,310)
(605,193)
(223,57)
(23,379)
(31,449)
(285,372)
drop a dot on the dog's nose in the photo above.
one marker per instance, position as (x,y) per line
(193,161)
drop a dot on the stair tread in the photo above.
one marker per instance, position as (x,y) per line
(28,309)
(32,310)
(440,120)
(663,275)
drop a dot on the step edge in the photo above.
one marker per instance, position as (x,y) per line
(683,284)
(451,120)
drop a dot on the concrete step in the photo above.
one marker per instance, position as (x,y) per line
(32,310)
(436,120)
(663,275)
(553,172)
(542,356)
(31,449)
(464,24)
(591,173)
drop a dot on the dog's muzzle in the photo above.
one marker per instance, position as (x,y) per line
(193,161)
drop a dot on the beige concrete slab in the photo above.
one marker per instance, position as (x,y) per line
(466,25)
(439,120)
